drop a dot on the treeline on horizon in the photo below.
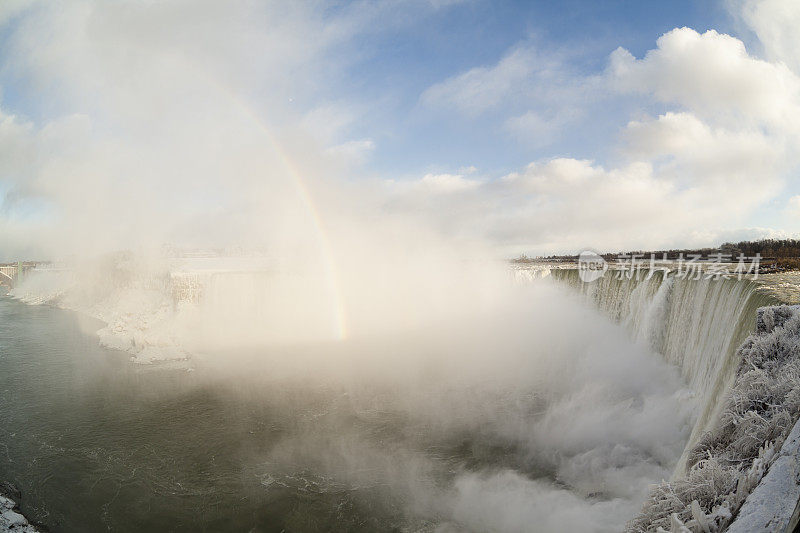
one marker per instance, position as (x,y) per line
(781,253)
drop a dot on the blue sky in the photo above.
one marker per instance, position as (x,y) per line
(530,126)
(398,66)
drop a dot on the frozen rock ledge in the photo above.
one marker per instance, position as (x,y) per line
(772,506)
(10,518)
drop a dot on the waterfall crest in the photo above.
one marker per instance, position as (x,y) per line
(696,324)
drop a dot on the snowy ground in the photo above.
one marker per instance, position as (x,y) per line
(158,309)
(134,300)
(11,520)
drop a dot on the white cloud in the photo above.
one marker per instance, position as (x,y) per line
(524,78)
(154,132)
(156,115)
(446,183)
(436,184)
(793,207)
(532,94)
(751,234)
(695,154)
(481,88)
(683,178)
(328,121)
(353,151)
(712,75)
(440,4)
(534,129)
(564,204)
(777,24)
(11,8)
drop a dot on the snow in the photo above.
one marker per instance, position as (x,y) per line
(771,505)
(11,520)
(134,300)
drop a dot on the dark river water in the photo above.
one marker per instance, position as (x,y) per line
(500,426)
(95,443)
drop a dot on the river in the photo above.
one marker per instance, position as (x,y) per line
(549,414)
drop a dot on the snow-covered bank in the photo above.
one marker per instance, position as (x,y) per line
(11,520)
(165,309)
(773,505)
(132,299)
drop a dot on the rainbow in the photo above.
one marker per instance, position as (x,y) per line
(330,271)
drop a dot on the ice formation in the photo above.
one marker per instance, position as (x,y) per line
(132,300)
(11,520)
(729,461)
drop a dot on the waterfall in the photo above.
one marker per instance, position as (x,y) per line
(695,324)
(522,275)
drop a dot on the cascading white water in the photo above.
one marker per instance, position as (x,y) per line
(524,275)
(261,306)
(696,324)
